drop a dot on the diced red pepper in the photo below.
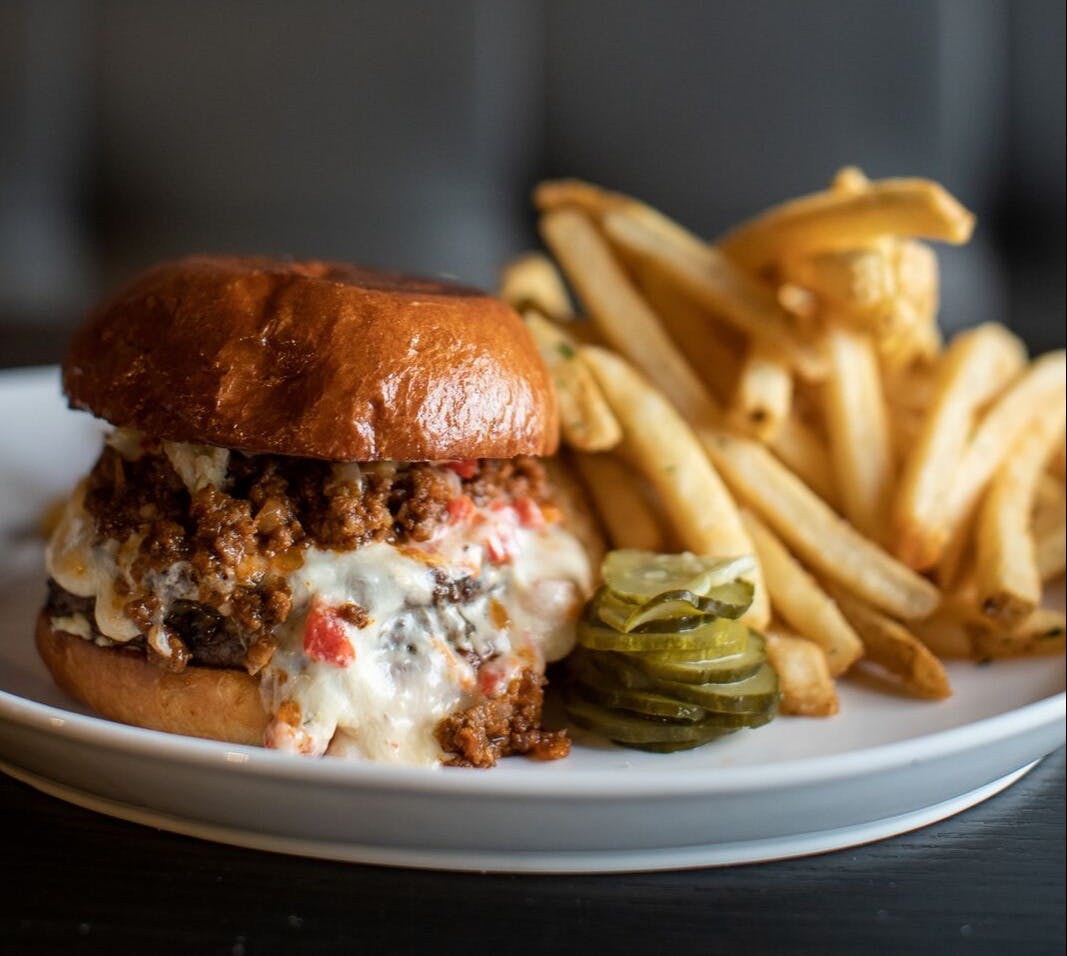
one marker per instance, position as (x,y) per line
(490,681)
(499,546)
(325,639)
(460,508)
(465,468)
(529,512)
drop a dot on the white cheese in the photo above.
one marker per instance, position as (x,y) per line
(414,661)
(198,465)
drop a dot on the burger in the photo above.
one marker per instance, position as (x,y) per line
(320,522)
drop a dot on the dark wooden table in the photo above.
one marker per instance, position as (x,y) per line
(988,881)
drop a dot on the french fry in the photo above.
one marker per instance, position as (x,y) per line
(803,451)
(1050,552)
(1006,572)
(958,630)
(849,180)
(976,367)
(860,442)
(858,282)
(714,350)
(804,679)
(623,510)
(1049,527)
(763,394)
(1042,387)
(710,279)
(797,598)
(845,219)
(659,444)
(946,633)
(577,510)
(585,419)
(823,541)
(532,281)
(892,646)
(1058,465)
(597,203)
(621,315)
(1041,632)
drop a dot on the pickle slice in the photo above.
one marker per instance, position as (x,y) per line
(601,689)
(755,694)
(638,576)
(628,728)
(725,600)
(718,636)
(691,669)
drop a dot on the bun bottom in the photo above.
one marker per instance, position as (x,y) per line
(198,702)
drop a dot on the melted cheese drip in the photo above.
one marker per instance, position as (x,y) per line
(411,665)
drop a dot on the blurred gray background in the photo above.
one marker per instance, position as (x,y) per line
(408,134)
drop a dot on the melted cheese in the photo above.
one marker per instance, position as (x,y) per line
(415,660)
(412,664)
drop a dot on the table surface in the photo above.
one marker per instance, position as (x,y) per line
(986,880)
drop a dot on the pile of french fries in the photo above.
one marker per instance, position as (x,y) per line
(785,391)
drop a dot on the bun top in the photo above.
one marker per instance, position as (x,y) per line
(314,359)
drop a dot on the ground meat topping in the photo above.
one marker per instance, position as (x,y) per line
(240,538)
(502,726)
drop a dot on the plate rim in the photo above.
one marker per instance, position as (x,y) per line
(578,782)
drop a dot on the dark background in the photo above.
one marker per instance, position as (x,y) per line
(408,133)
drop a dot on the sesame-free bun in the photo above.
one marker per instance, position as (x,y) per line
(125,686)
(314,359)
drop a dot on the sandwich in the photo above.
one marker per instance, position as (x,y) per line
(320,521)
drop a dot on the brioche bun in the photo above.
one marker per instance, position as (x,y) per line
(124,686)
(314,359)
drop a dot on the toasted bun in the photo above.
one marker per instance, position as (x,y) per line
(125,686)
(314,359)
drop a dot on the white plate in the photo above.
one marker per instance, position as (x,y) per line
(885,765)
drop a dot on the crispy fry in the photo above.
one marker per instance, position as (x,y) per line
(598,203)
(1050,552)
(977,366)
(947,632)
(848,220)
(889,289)
(892,646)
(1041,632)
(849,180)
(584,416)
(763,394)
(803,451)
(623,510)
(714,350)
(661,447)
(621,315)
(1049,527)
(798,599)
(825,542)
(1006,570)
(856,419)
(532,281)
(1043,387)
(958,630)
(577,510)
(1058,465)
(713,281)
(803,675)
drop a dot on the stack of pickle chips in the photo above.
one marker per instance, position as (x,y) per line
(664,662)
